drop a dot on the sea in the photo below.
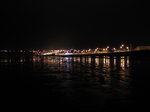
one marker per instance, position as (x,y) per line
(75,83)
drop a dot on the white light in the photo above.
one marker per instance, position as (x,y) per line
(68,53)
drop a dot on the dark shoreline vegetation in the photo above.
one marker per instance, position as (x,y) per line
(107,83)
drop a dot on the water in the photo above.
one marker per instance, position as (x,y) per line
(76,83)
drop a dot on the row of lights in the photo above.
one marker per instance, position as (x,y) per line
(121,48)
(107,49)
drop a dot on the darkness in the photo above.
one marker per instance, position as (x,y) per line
(39,24)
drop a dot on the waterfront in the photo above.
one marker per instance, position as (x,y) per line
(80,83)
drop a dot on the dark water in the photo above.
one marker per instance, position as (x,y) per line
(75,83)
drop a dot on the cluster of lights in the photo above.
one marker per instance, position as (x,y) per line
(107,49)
(124,48)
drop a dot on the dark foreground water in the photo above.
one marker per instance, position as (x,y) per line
(75,83)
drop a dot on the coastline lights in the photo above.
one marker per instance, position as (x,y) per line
(127,48)
(68,53)
(96,49)
(114,49)
(121,48)
(89,50)
(122,45)
(104,49)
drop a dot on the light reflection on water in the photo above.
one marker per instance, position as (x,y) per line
(80,81)
(71,64)
(99,71)
(79,78)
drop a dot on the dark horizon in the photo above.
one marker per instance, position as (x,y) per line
(45,25)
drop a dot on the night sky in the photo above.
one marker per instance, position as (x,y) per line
(41,24)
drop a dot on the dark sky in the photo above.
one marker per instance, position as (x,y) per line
(40,24)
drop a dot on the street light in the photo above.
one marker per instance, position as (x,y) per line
(114,49)
(127,48)
(122,45)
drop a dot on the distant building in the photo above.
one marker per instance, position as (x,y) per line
(139,48)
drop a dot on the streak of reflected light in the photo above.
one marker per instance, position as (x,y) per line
(122,62)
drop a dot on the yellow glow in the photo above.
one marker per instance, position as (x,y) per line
(97,61)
